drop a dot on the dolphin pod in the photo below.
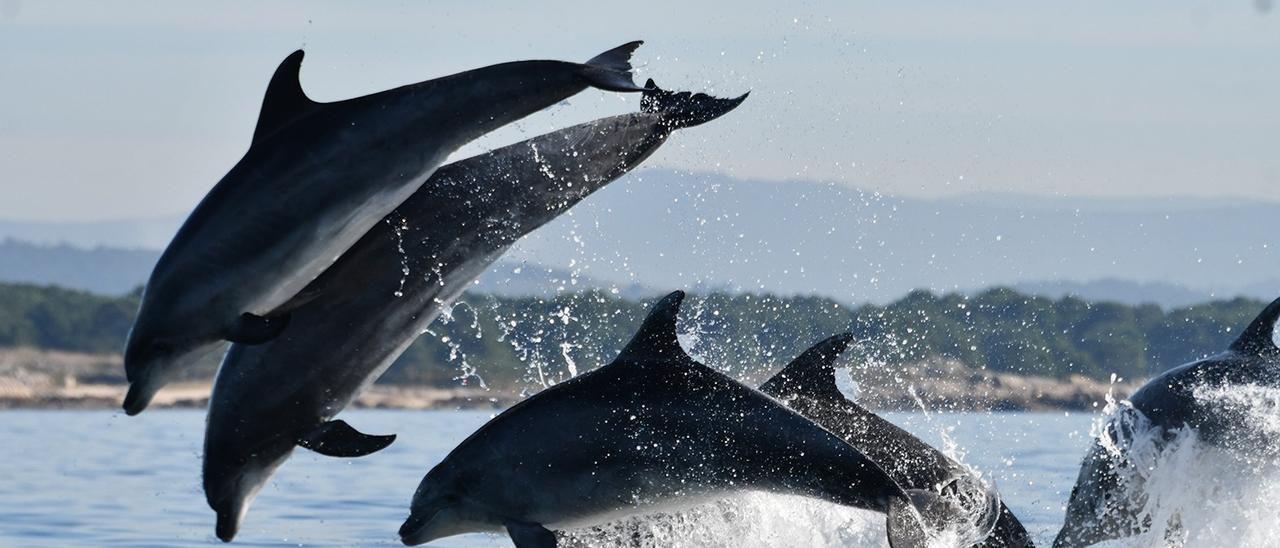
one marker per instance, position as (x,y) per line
(808,385)
(654,430)
(390,285)
(316,178)
(1103,504)
(339,237)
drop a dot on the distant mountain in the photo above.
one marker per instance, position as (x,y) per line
(142,233)
(1132,293)
(669,229)
(108,271)
(115,271)
(513,279)
(665,229)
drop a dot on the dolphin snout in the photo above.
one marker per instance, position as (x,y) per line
(416,529)
(228,525)
(139,396)
(411,530)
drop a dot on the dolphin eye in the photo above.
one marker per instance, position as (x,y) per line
(162,347)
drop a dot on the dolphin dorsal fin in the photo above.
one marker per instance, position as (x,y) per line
(813,373)
(657,335)
(284,101)
(1256,340)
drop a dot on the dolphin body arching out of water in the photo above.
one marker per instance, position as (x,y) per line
(1103,505)
(808,385)
(316,178)
(654,430)
(363,312)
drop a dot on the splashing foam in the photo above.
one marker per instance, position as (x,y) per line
(1192,492)
(748,520)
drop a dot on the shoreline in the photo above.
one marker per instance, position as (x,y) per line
(36,379)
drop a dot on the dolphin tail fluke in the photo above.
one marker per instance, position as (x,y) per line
(1256,339)
(813,373)
(685,109)
(254,329)
(611,70)
(339,439)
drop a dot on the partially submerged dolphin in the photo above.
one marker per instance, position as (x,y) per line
(1103,503)
(808,385)
(652,430)
(364,311)
(316,178)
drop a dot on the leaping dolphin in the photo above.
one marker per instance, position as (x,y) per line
(316,178)
(653,430)
(1102,504)
(808,385)
(366,309)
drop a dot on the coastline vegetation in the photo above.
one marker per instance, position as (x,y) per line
(506,341)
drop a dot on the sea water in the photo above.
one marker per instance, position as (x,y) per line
(95,478)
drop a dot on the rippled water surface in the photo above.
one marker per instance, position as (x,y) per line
(93,478)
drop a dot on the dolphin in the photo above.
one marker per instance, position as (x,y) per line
(316,178)
(1103,504)
(652,431)
(808,386)
(366,309)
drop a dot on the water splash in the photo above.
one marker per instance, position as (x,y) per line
(752,519)
(466,371)
(399,228)
(1190,491)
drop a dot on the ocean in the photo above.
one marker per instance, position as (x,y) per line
(99,478)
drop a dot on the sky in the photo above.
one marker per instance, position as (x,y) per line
(134,109)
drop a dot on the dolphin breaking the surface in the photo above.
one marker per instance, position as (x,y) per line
(316,178)
(1106,497)
(366,309)
(808,385)
(652,430)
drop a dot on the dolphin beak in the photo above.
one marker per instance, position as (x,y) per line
(228,525)
(415,530)
(139,396)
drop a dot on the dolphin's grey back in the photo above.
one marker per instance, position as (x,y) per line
(808,386)
(651,427)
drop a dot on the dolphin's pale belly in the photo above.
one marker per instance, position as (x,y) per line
(603,514)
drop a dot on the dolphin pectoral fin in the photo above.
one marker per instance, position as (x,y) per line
(253,329)
(530,535)
(812,373)
(339,439)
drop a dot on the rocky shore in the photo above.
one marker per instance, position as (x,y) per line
(38,379)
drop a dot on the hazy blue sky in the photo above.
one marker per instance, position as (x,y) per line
(136,108)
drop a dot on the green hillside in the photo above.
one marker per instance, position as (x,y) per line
(505,339)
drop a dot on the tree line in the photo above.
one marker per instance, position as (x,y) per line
(509,341)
